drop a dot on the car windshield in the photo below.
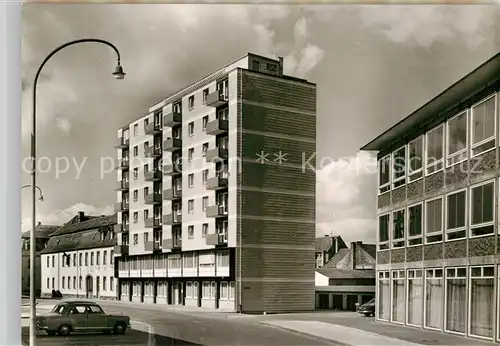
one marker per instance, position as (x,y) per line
(58,309)
(371,301)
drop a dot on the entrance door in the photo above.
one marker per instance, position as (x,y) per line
(338,302)
(89,286)
(323,301)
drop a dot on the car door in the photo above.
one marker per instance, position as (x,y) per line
(97,319)
(78,317)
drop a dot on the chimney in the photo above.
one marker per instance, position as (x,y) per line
(281,66)
(353,254)
(39,223)
(81,215)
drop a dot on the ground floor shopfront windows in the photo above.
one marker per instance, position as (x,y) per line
(458,300)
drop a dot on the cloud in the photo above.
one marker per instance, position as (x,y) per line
(346,197)
(61,216)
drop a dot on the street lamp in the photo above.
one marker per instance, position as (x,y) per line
(118,74)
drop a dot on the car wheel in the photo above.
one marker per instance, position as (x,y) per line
(120,328)
(64,330)
(50,332)
(367,314)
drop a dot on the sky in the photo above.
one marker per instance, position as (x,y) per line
(373,65)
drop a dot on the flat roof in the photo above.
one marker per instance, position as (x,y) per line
(480,78)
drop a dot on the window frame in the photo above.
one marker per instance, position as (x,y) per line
(418,173)
(396,276)
(389,230)
(445,312)
(447,140)
(426,233)
(495,123)
(467,216)
(190,180)
(407,229)
(191,232)
(191,129)
(398,240)
(443,285)
(382,275)
(387,185)
(409,278)
(469,296)
(470,207)
(426,147)
(403,178)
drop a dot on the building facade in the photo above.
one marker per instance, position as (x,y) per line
(438,211)
(214,208)
(348,279)
(78,260)
(326,247)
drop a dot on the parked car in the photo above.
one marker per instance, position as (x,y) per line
(367,309)
(80,316)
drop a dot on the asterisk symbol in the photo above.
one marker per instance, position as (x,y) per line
(262,157)
(280,157)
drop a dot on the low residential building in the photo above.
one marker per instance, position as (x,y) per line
(347,279)
(42,233)
(438,260)
(326,247)
(78,259)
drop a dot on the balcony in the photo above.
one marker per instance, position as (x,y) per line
(153,152)
(152,246)
(215,211)
(172,194)
(152,175)
(152,223)
(121,185)
(121,206)
(122,143)
(216,99)
(216,239)
(121,250)
(216,183)
(152,198)
(121,228)
(172,119)
(123,163)
(172,170)
(216,154)
(172,219)
(217,126)
(152,129)
(172,144)
(172,243)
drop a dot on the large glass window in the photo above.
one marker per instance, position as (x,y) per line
(383,232)
(483,126)
(416,158)
(456,299)
(456,148)
(434,221)
(384,174)
(415,297)
(434,150)
(398,296)
(456,215)
(398,228)
(434,296)
(415,217)
(482,206)
(384,296)
(482,301)
(399,167)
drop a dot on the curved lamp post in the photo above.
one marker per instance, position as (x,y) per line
(39,189)
(118,74)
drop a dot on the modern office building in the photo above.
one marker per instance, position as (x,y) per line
(78,260)
(214,206)
(438,245)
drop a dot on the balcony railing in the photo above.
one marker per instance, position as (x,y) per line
(152,222)
(152,246)
(122,185)
(152,175)
(152,198)
(217,126)
(172,170)
(216,155)
(152,129)
(172,219)
(216,211)
(216,239)
(121,228)
(122,143)
(172,194)
(216,99)
(174,243)
(216,183)
(172,119)
(172,144)
(153,151)
(121,250)
(123,163)
(121,206)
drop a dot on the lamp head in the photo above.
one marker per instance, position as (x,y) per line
(41,198)
(119,74)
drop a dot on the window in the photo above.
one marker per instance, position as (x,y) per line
(398,228)
(190,154)
(136,239)
(456,139)
(482,301)
(415,218)
(204,123)
(204,203)
(256,65)
(111,284)
(146,237)
(191,128)
(191,102)
(190,206)
(136,173)
(86,259)
(398,296)
(63,281)
(146,122)
(205,95)
(74,282)
(80,259)
(74,259)
(48,283)
(69,282)
(208,290)
(204,149)
(383,232)
(136,129)
(91,258)
(224,290)
(483,122)
(191,180)
(136,151)
(482,206)
(384,174)
(105,257)
(136,216)
(434,221)
(416,158)
(271,67)
(384,296)
(53,283)
(146,214)
(455,215)
(48,262)
(204,230)
(191,232)
(53,261)
(136,195)
(415,297)
(104,283)
(80,282)
(204,176)
(456,299)
(98,258)
(434,150)
(434,295)
(399,167)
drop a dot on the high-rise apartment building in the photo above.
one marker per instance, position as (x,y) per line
(216,195)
